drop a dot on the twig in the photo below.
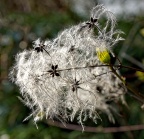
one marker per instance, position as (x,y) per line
(94,66)
(97,129)
(127,67)
(135,93)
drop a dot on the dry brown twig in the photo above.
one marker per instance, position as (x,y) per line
(97,129)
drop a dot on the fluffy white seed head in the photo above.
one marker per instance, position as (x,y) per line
(60,78)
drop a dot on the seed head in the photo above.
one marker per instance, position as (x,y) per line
(62,78)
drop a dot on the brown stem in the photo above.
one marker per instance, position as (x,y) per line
(94,66)
(97,129)
(47,52)
(132,68)
(135,93)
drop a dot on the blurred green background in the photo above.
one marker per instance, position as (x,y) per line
(23,21)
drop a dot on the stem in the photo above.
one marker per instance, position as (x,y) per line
(97,129)
(46,52)
(94,66)
(136,94)
(127,67)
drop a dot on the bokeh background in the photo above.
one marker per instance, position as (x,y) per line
(23,21)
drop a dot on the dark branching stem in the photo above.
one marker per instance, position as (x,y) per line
(127,67)
(97,129)
(94,66)
(46,51)
(135,94)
